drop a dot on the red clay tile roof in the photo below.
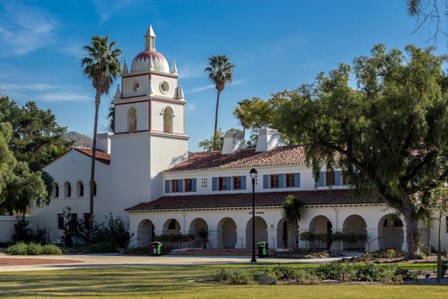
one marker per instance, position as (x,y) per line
(100,156)
(279,156)
(266,199)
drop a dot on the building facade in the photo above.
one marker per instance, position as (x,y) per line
(147,176)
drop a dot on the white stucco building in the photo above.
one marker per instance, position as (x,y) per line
(146,176)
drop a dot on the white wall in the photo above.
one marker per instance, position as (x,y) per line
(7,227)
(128,85)
(156,81)
(74,167)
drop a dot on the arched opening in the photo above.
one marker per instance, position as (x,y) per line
(285,234)
(390,232)
(171,227)
(261,231)
(145,233)
(67,189)
(227,233)
(79,189)
(355,233)
(55,192)
(168,115)
(132,120)
(319,227)
(199,229)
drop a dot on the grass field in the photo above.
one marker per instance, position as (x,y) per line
(186,282)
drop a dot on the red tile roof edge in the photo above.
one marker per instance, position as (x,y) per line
(243,200)
(99,155)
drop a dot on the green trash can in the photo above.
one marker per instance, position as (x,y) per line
(262,249)
(156,248)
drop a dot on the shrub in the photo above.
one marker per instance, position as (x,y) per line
(285,273)
(241,278)
(33,249)
(404,274)
(51,249)
(22,232)
(17,249)
(113,230)
(221,275)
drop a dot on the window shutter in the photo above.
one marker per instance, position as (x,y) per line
(180,184)
(265,181)
(321,179)
(228,183)
(337,178)
(281,180)
(297,179)
(193,185)
(214,183)
(243,182)
(167,186)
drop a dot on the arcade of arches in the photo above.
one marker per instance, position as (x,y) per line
(232,232)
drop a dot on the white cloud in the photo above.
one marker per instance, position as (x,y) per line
(63,97)
(106,9)
(74,50)
(212,86)
(190,106)
(30,87)
(46,92)
(25,28)
(191,70)
(202,88)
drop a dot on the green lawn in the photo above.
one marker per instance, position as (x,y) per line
(185,282)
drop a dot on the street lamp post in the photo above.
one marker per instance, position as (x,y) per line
(253,174)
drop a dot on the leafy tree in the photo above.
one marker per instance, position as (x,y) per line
(102,66)
(35,140)
(18,184)
(390,134)
(253,114)
(292,210)
(220,72)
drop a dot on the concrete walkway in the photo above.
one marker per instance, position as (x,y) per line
(116,260)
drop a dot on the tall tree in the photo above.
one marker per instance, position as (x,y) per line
(390,133)
(220,72)
(18,185)
(292,210)
(102,66)
(36,138)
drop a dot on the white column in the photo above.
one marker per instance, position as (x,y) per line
(372,243)
(213,238)
(241,241)
(272,238)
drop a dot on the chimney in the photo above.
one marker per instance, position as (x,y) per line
(268,139)
(233,142)
(103,142)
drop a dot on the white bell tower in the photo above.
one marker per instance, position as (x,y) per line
(149,134)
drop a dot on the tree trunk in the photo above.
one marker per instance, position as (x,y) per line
(412,235)
(92,170)
(216,121)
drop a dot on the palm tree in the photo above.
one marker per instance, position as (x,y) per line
(293,212)
(102,66)
(220,71)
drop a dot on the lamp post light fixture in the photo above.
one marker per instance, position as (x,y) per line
(253,174)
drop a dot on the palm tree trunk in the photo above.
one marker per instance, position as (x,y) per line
(92,170)
(216,121)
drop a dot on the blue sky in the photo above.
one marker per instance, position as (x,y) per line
(275,45)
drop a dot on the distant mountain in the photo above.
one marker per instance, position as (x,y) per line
(79,139)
